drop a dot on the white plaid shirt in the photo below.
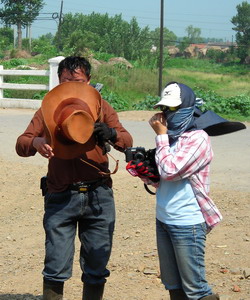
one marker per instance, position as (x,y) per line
(190,159)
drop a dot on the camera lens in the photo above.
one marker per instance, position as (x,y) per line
(140,156)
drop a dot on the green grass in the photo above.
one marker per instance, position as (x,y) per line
(137,88)
(224,84)
(226,80)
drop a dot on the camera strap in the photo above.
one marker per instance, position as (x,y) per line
(101,172)
(148,190)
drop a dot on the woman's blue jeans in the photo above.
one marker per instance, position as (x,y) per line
(181,251)
(94,215)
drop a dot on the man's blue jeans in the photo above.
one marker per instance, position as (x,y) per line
(181,251)
(94,215)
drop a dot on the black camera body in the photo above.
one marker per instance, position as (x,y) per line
(141,154)
(135,153)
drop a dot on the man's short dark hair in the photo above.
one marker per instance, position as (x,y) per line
(71,63)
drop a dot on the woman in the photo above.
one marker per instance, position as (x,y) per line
(184,211)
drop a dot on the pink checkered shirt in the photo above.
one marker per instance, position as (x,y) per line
(190,159)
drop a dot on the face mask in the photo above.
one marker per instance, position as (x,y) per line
(179,121)
(168,114)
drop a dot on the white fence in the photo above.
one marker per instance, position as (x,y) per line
(28,103)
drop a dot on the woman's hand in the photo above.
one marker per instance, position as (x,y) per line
(158,123)
(42,147)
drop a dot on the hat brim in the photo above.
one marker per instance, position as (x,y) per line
(51,101)
(170,102)
(215,125)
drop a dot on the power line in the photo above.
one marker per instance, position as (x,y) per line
(43,16)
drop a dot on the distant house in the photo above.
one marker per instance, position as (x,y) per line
(222,45)
(199,46)
(202,48)
(173,51)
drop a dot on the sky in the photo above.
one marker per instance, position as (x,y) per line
(213,17)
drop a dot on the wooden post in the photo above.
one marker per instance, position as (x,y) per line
(53,67)
(161,48)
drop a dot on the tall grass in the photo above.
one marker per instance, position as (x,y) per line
(224,84)
(138,87)
(137,83)
(133,84)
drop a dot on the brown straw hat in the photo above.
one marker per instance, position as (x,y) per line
(70,111)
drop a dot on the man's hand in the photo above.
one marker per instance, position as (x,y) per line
(158,123)
(104,133)
(42,147)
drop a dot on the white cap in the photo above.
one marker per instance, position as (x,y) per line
(170,96)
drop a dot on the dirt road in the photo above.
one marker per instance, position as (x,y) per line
(134,263)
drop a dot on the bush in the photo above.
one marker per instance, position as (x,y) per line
(6,39)
(232,106)
(14,62)
(236,105)
(146,104)
(116,101)
(44,45)
(103,56)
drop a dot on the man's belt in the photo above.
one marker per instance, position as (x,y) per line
(87,186)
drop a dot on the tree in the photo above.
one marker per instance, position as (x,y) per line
(20,13)
(102,33)
(184,43)
(242,26)
(6,38)
(194,34)
(169,38)
(44,45)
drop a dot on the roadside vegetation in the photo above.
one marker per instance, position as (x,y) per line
(220,78)
(224,88)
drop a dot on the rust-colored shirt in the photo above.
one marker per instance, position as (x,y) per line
(62,172)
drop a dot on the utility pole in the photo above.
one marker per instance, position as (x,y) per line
(60,16)
(59,27)
(161,47)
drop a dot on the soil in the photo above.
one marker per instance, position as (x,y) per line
(134,262)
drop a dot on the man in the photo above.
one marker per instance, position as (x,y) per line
(71,130)
(184,210)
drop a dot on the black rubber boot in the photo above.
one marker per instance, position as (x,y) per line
(52,290)
(211,297)
(92,291)
(177,294)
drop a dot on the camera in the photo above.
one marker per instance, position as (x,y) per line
(134,153)
(141,154)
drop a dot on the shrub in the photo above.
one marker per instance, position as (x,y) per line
(147,103)
(235,105)
(103,56)
(6,39)
(44,45)
(14,62)
(116,101)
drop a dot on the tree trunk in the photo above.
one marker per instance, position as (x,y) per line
(19,36)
